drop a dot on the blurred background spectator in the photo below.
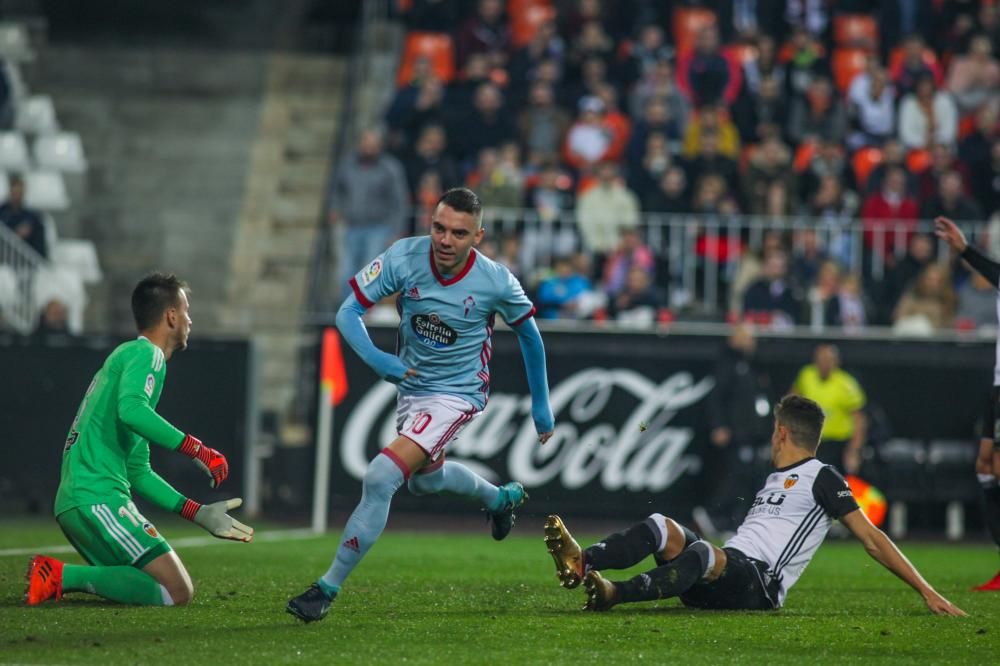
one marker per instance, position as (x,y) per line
(25,222)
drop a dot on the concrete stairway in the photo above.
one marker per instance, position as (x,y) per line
(285,190)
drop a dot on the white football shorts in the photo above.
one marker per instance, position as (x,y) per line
(433,421)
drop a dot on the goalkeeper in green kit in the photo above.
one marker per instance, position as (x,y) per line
(106,457)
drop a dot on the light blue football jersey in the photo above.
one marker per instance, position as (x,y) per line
(446,326)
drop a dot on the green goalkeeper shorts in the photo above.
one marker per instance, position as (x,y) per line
(113,533)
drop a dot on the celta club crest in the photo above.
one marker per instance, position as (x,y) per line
(469,303)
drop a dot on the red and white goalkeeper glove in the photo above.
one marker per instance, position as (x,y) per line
(213,517)
(209,460)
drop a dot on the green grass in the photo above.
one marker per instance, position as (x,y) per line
(462,598)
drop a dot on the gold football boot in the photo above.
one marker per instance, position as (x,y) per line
(565,551)
(601,593)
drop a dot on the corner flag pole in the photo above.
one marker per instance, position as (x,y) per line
(332,391)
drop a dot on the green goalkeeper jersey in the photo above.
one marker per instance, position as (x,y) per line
(107,450)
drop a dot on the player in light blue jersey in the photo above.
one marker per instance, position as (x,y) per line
(449,296)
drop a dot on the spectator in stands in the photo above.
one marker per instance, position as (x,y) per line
(545,44)
(644,175)
(23,221)
(713,197)
(499,185)
(974,78)
(461,92)
(843,401)
(593,75)
(429,155)
(871,104)
(977,302)
(767,107)
(888,211)
(592,43)
(659,84)
(974,149)
(772,161)
(823,297)
(645,54)
(986,181)
(53,323)
(638,302)
(711,120)
(542,125)
(551,193)
(893,157)
(762,67)
(709,160)
(486,126)
(778,200)
(655,120)
(510,255)
(616,120)
(604,209)
(929,304)
(927,116)
(942,160)
(486,32)
(590,140)
(951,201)
(817,115)
(370,201)
(751,267)
(807,61)
(834,209)
(413,108)
(808,257)
(431,14)
(913,66)
(426,195)
(770,299)
(809,16)
(671,193)
(631,253)
(828,159)
(564,294)
(919,255)
(853,304)
(705,75)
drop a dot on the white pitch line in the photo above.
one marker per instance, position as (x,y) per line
(184,542)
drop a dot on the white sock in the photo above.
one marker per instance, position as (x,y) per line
(167,599)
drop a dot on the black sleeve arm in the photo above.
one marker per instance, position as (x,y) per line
(983,265)
(833,494)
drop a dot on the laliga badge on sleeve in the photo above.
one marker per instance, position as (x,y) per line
(371,272)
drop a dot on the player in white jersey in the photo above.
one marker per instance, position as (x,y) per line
(754,570)
(449,296)
(988,460)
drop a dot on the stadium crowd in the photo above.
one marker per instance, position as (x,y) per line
(861,115)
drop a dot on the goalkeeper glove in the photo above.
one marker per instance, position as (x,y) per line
(209,460)
(216,521)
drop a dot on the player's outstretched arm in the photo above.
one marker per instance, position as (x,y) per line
(533,352)
(216,521)
(949,232)
(139,380)
(885,552)
(352,327)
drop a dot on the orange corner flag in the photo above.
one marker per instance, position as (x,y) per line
(333,375)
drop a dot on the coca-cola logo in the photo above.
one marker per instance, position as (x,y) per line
(645,451)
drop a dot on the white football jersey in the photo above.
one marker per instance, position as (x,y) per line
(789,519)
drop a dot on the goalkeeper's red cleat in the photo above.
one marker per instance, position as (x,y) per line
(44,580)
(992,585)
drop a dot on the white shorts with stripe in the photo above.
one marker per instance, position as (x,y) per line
(433,421)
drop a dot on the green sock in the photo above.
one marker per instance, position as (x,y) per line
(126,585)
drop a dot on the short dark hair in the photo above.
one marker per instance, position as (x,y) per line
(803,418)
(463,200)
(154,295)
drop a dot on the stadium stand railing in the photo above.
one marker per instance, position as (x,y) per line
(19,266)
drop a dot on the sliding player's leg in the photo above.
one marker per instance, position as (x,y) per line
(662,537)
(433,423)
(385,474)
(128,560)
(700,561)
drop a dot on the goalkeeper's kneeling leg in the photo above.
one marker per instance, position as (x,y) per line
(175,582)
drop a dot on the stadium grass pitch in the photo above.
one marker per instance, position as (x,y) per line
(463,598)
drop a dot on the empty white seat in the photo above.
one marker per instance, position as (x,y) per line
(79,256)
(4,186)
(37,115)
(15,43)
(14,152)
(62,151)
(45,190)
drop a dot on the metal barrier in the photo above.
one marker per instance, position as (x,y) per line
(19,265)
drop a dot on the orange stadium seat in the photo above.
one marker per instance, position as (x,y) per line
(855,30)
(863,162)
(740,53)
(847,63)
(803,156)
(918,160)
(525,22)
(687,21)
(515,7)
(436,46)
